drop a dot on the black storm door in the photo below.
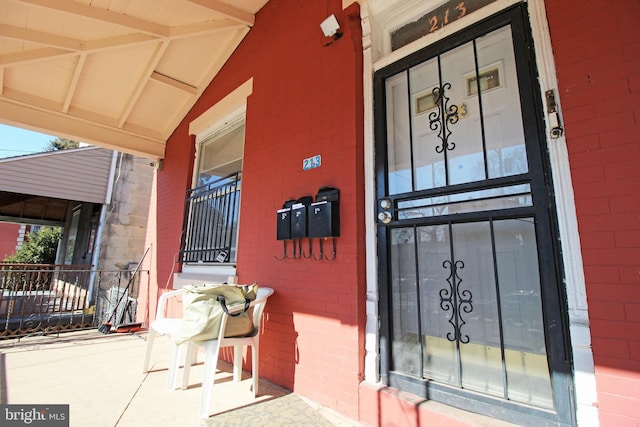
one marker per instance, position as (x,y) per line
(471,306)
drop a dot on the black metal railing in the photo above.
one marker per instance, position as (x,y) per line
(40,299)
(211,221)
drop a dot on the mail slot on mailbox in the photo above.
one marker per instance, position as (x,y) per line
(324,214)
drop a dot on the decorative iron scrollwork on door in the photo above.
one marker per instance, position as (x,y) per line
(444,116)
(457,301)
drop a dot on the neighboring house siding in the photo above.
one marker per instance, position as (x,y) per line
(599,80)
(306,101)
(46,175)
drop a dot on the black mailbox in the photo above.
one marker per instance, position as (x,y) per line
(324,214)
(283,229)
(299,217)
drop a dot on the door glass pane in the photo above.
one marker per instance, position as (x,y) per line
(398,135)
(465,145)
(406,338)
(477,308)
(429,163)
(525,354)
(471,201)
(440,352)
(500,98)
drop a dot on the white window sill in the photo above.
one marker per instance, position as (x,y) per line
(199,274)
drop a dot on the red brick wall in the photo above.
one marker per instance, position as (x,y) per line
(597,53)
(307,100)
(8,239)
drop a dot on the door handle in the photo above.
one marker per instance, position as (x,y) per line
(385,217)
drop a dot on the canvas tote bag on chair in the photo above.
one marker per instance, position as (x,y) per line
(203,306)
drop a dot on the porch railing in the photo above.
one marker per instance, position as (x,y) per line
(44,299)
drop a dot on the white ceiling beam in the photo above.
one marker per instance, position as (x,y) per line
(207,27)
(69,44)
(33,55)
(231,12)
(39,37)
(75,8)
(117,42)
(61,44)
(66,126)
(142,82)
(177,84)
(104,15)
(55,107)
(87,48)
(74,82)
(31,99)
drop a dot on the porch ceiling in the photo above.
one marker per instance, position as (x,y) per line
(120,74)
(32,209)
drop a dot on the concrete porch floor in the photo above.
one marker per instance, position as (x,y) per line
(100,378)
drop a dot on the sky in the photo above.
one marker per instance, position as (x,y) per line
(18,142)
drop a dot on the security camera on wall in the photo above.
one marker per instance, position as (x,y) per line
(331,28)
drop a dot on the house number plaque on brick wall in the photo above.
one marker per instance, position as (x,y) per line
(312,162)
(434,20)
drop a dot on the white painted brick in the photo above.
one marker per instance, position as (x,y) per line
(580,335)
(587,416)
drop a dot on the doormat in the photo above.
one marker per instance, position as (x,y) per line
(287,410)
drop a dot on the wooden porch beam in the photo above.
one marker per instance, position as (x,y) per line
(66,126)
(103,15)
(231,12)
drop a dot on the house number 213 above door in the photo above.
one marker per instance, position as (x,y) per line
(312,162)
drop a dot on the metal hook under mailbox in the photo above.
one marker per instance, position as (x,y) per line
(298,254)
(310,249)
(284,254)
(321,255)
(334,251)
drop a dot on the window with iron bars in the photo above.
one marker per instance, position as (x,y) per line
(212,207)
(211,231)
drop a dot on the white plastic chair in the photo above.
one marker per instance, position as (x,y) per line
(163,325)
(212,349)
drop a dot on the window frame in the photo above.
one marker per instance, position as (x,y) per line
(209,136)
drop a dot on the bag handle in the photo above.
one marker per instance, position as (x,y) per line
(223,303)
